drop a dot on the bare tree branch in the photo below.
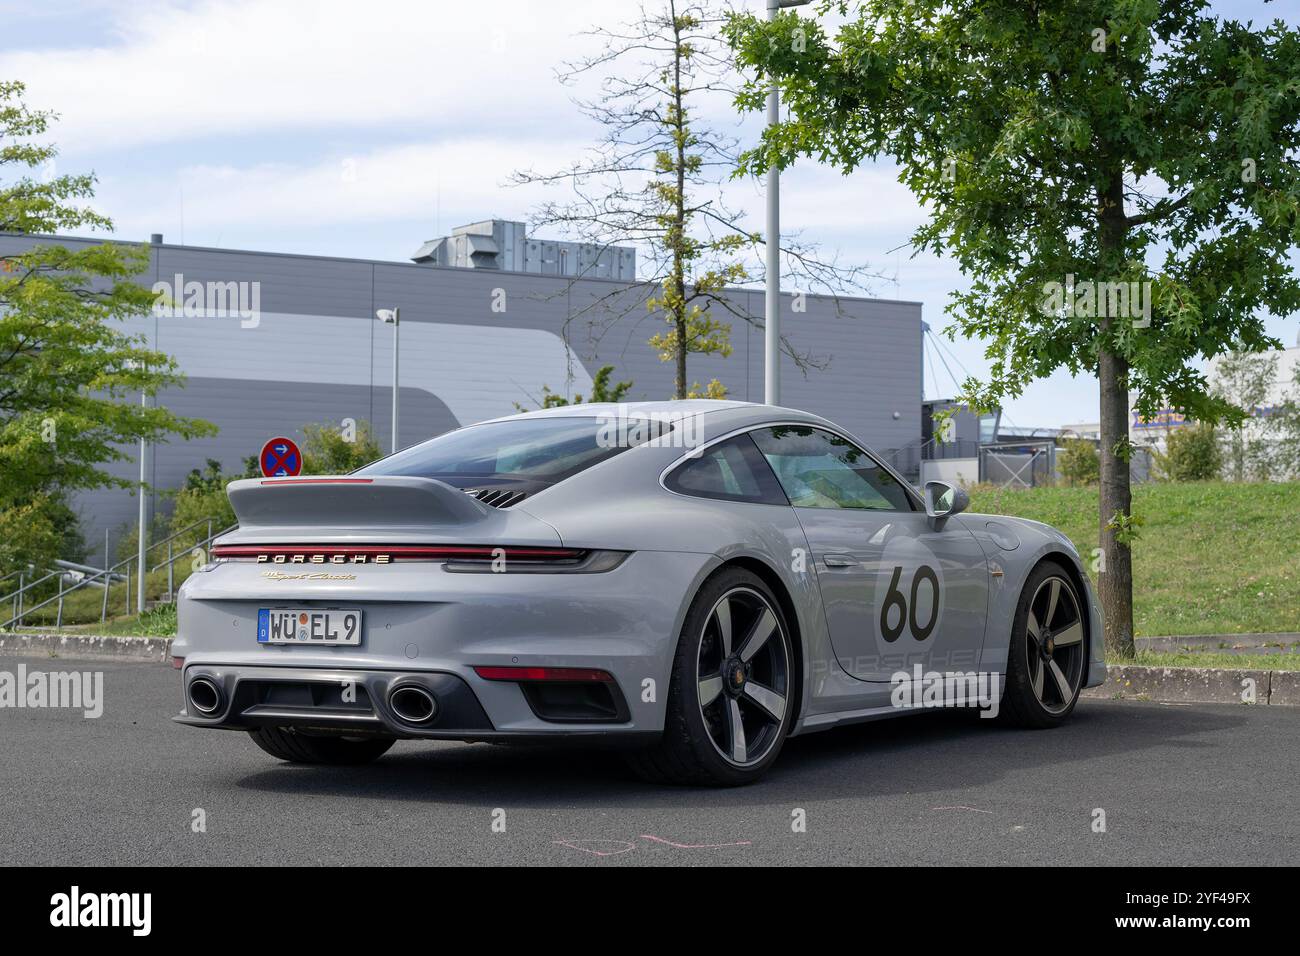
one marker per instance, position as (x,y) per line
(655,180)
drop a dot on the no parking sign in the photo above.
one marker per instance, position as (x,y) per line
(280,458)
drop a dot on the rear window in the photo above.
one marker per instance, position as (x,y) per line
(545,450)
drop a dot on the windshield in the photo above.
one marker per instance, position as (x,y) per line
(536,449)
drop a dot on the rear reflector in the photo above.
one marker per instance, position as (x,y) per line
(178,663)
(544,674)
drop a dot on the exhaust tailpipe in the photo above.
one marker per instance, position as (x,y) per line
(413,705)
(205,696)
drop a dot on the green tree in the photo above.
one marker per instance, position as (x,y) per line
(70,377)
(1068,145)
(39,529)
(203,498)
(1192,453)
(601,391)
(329,450)
(1079,463)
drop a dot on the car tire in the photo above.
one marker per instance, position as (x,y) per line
(752,686)
(288,744)
(1047,658)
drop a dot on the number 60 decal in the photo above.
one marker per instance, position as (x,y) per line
(907,608)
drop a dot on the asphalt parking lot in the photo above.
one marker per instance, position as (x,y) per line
(1179,785)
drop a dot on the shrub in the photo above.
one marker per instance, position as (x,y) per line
(1080,464)
(1192,453)
(328,450)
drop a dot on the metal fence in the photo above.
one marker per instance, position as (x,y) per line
(1018,464)
(29,582)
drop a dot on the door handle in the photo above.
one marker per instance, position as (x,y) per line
(838,561)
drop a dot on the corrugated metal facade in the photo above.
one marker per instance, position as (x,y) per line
(473,342)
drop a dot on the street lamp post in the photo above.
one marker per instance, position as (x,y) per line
(142,545)
(142,528)
(394,317)
(772,298)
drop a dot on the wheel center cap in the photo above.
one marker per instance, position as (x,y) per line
(736,676)
(1049,645)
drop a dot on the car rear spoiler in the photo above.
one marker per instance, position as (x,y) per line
(388,501)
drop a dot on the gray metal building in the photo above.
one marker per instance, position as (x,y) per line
(473,342)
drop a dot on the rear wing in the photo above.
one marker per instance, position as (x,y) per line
(388,501)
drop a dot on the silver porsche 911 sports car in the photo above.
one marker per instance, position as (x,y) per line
(697,580)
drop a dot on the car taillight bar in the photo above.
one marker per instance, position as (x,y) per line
(343,553)
(584,675)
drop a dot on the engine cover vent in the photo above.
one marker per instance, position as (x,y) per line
(497,497)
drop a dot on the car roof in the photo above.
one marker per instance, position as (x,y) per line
(690,406)
(721,412)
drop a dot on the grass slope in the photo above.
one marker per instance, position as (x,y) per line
(1212,557)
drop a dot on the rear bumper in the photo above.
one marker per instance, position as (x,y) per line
(333,699)
(353,702)
(432,627)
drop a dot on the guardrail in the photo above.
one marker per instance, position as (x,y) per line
(105,577)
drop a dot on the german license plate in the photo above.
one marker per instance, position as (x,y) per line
(329,626)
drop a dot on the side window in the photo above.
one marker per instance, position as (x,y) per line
(819,469)
(732,470)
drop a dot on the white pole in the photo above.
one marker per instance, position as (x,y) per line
(142,544)
(772,299)
(397,319)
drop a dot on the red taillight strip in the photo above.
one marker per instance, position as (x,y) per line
(442,552)
(318,481)
(545,674)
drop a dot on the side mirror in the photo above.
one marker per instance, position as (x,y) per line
(942,501)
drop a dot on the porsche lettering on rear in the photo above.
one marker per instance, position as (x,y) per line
(301,558)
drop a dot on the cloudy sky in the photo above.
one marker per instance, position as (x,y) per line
(363,129)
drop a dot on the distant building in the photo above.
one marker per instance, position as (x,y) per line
(1153,430)
(501,244)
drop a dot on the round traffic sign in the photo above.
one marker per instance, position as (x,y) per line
(280,458)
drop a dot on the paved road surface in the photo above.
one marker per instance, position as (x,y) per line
(1188,784)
